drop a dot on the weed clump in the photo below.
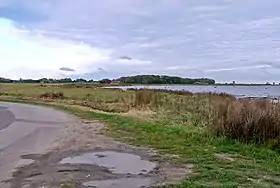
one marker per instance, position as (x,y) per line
(3,94)
(143,97)
(255,121)
(177,92)
(52,95)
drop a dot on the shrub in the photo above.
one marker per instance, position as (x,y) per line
(52,95)
(3,94)
(248,120)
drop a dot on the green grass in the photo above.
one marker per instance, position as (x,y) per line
(67,185)
(198,149)
(176,124)
(250,167)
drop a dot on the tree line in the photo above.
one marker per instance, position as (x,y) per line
(139,79)
(44,80)
(157,79)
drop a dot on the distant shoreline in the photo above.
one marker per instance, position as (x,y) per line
(191,85)
(120,85)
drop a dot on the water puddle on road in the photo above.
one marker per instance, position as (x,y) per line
(120,183)
(118,163)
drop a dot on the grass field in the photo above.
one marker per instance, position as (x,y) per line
(231,143)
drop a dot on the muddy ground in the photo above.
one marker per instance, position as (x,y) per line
(44,170)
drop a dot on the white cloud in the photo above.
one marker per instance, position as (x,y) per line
(178,37)
(238,68)
(209,8)
(24,54)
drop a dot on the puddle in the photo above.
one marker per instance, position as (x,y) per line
(6,117)
(119,163)
(120,183)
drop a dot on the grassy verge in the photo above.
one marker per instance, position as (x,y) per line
(246,166)
(176,123)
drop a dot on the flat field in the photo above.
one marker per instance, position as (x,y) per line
(230,143)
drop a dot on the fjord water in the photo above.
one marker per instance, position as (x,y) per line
(237,91)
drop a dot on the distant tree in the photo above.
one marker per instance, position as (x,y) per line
(138,79)
(65,80)
(105,81)
(156,79)
(80,80)
(5,80)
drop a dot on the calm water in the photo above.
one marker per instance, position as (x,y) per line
(119,163)
(237,91)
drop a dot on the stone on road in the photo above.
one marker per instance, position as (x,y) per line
(26,129)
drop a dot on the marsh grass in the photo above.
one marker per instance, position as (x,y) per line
(194,127)
(255,121)
(249,121)
(52,95)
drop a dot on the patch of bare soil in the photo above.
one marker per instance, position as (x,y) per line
(84,137)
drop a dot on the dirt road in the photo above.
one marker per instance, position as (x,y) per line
(42,147)
(26,129)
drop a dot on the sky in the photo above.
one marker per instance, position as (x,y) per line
(221,39)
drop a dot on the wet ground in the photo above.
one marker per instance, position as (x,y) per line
(116,162)
(121,182)
(86,157)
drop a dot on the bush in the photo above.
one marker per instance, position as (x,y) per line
(3,94)
(52,95)
(255,121)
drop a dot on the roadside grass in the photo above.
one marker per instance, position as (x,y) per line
(252,166)
(195,127)
(67,185)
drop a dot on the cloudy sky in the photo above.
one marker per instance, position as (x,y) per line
(222,39)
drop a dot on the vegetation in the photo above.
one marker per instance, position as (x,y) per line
(255,121)
(44,80)
(52,95)
(139,79)
(157,79)
(68,185)
(232,143)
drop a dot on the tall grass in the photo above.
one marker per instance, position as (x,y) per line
(255,121)
(250,121)
(52,95)
(143,97)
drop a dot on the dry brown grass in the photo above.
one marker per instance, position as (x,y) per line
(255,121)
(52,95)
(246,120)
(183,92)
(143,97)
